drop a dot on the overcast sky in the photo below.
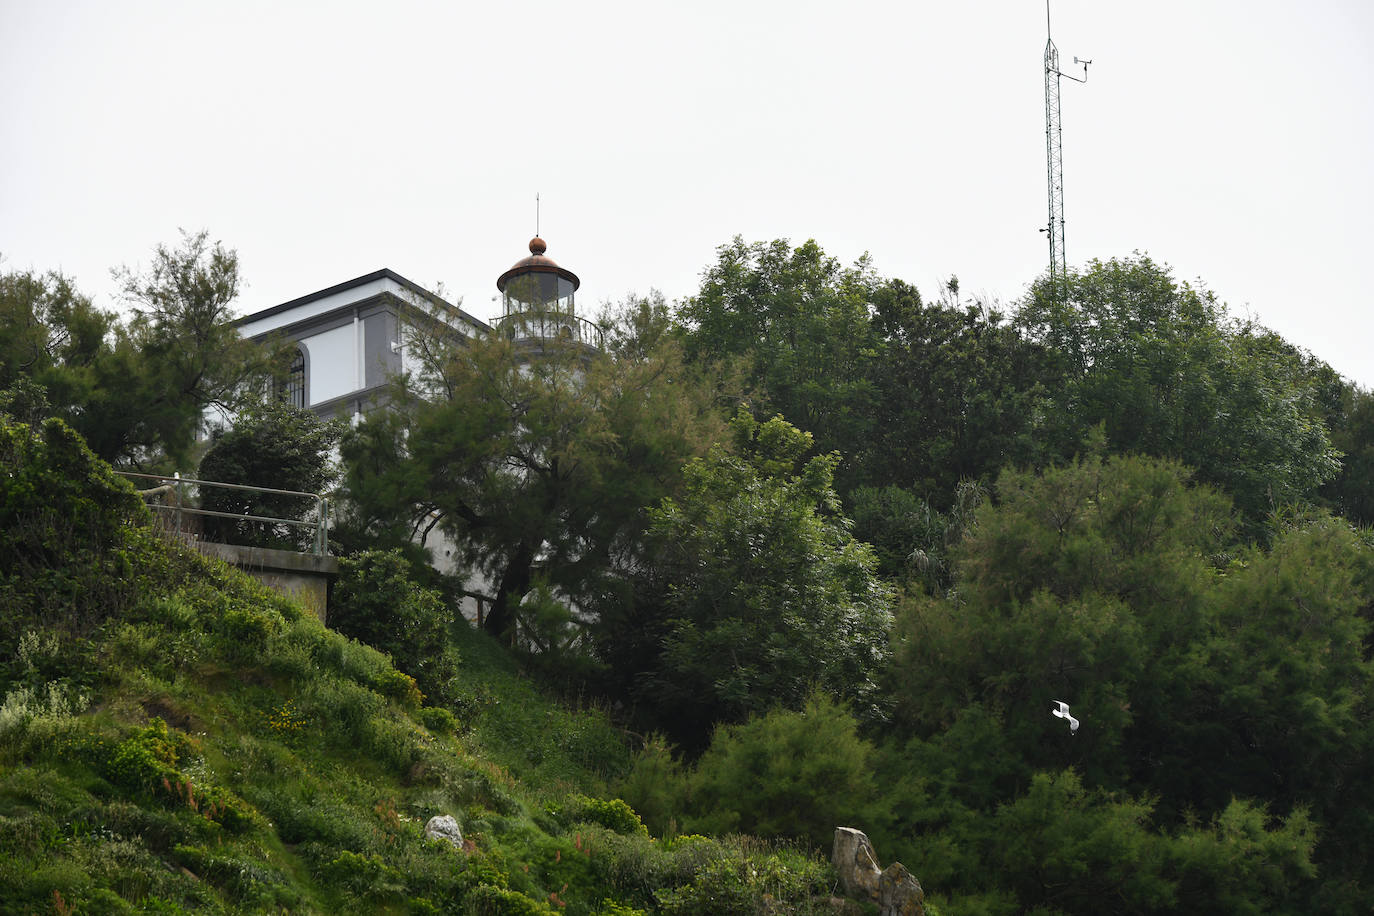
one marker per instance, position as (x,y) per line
(1233,140)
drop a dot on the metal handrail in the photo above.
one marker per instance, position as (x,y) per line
(175,482)
(535,324)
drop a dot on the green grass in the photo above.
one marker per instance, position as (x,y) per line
(219,751)
(174,738)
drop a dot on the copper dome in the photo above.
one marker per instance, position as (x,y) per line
(536,263)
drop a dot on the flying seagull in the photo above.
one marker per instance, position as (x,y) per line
(1061,709)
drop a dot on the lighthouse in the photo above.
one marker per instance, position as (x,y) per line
(538,304)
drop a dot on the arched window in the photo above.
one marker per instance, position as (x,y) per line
(292,388)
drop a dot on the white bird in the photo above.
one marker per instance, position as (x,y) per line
(1061,709)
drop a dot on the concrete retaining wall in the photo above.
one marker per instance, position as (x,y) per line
(301,576)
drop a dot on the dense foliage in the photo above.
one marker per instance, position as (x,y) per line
(206,747)
(753,593)
(376,602)
(1200,675)
(1163,369)
(1111,494)
(66,548)
(532,466)
(136,391)
(273,445)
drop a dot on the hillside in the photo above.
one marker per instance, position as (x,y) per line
(175,739)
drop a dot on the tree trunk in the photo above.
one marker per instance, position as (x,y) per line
(515,582)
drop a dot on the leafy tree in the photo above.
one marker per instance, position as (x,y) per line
(275,445)
(135,392)
(1283,688)
(635,327)
(1201,670)
(536,468)
(755,591)
(912,540)
(1352,431)
(960,393)
(191,354)
(1167,373)
(801,320)
(68,527)
(52,335)
(1062,848)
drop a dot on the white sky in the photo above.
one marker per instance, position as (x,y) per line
(1233,140)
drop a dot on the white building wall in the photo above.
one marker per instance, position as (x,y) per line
(333,363)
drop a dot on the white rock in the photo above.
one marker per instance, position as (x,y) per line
(444,827)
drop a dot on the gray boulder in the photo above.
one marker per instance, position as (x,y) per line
(899,893)
(444,827)
(857,863)
(894,889)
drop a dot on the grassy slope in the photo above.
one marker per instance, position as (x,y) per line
(211,748)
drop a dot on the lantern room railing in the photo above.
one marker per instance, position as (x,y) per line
(538,325)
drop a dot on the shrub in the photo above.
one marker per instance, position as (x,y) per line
(791,774)
(656,785)
(400,687)
(613,814)
(365,876)
(485,900)
(249,883)
(68,553)
(38,713)
(749,879)
(143,761)
(376,602)
(439,720)
(244,633)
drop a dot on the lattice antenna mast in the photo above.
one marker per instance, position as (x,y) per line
(1054,150)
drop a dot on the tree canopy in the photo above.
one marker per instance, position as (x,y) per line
(535,468)
(136,391)
(1110,494)
(754,592)
(1164,369)
(1201,670)
(275,445)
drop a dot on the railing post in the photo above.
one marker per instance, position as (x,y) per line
(322,532)
(180,503)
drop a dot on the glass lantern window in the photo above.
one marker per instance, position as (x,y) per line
(538,290)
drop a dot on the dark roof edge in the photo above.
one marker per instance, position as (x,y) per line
(386,273)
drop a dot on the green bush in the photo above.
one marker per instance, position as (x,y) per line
(376,602)
(244,633)
(485,900)
(613,814)
(786,774)
(74,546)
(439,720)
(247,882)
(746,879)
(656,786)
(30,716)
(400,687)
(366,876)
(143,761)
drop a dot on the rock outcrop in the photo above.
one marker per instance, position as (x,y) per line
(894,889)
